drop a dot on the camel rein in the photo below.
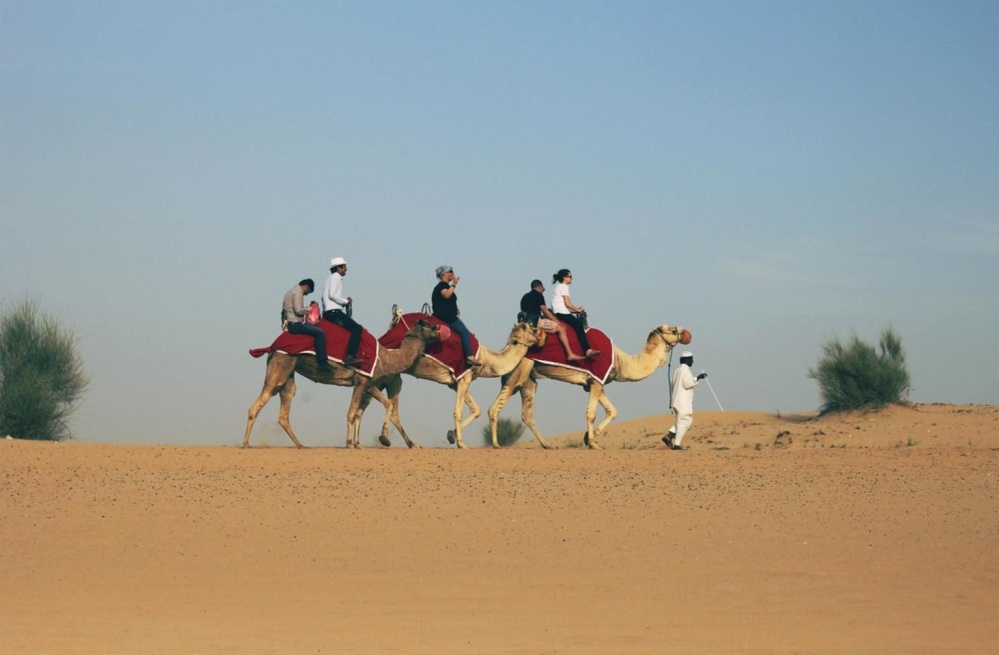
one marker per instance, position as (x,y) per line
(669,366)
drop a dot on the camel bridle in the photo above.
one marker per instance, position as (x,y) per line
(675,331)
(517,342)
(408,335)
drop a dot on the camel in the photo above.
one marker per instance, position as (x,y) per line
(280,378)
(494,364)
(626,368)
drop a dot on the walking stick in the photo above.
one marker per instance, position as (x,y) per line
(712,390)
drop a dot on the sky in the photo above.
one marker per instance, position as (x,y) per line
(767,174)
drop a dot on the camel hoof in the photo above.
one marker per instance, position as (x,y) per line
(586,438)
(450,437)
(358,446)
(414,445)
(383,440)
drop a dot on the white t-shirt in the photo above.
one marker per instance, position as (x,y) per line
(558,298)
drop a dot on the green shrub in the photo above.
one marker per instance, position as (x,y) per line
(508,431)
(856,376)
(41,375)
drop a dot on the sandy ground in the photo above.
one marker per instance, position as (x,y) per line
(867,533)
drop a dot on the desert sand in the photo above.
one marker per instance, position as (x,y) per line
(859,533)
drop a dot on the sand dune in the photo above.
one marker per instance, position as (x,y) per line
(862,533)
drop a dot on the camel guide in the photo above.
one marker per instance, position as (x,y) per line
(682,401)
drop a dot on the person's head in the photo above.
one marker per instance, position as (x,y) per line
(536,285)
(308,286)
(338,265)
(687,357)
(563,275)
(443,271)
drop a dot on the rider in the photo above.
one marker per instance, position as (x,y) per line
(334,305)
(293,311)
(561,306)
(445,305)
(533,305)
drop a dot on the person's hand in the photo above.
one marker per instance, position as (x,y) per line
(349,300)
(701,376)
(455,282)
(581,309)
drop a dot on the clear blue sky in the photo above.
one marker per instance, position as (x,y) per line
(766,174)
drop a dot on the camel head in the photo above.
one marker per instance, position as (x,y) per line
(671,335)
(523,334)
(425,331)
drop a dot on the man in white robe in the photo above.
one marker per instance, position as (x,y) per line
(682,401)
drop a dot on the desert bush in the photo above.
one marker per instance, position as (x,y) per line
(508,431)
(857,376)
(41,375)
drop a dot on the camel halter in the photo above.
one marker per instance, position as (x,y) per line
(515,342)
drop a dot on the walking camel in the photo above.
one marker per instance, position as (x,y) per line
(280,378)
(494,364)
(626,368)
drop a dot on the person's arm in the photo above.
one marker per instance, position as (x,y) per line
(447,292)
(547,313)
(335,291)
(570,306)
(297,303)
(687,379)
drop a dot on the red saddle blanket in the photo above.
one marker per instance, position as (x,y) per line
(336,346)
(447,351)
(598,367)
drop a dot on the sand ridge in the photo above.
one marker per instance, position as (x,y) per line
(871,532)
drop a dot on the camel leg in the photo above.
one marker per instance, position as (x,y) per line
(519,380)
(277,378)
(527,394)
(393,390)
(284,415)
(609,410)
(254,411)
(462,398)
(389,409)
(506,390)
(355,413)
(474,412)
(354,416)
(383,437)
(590,438)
